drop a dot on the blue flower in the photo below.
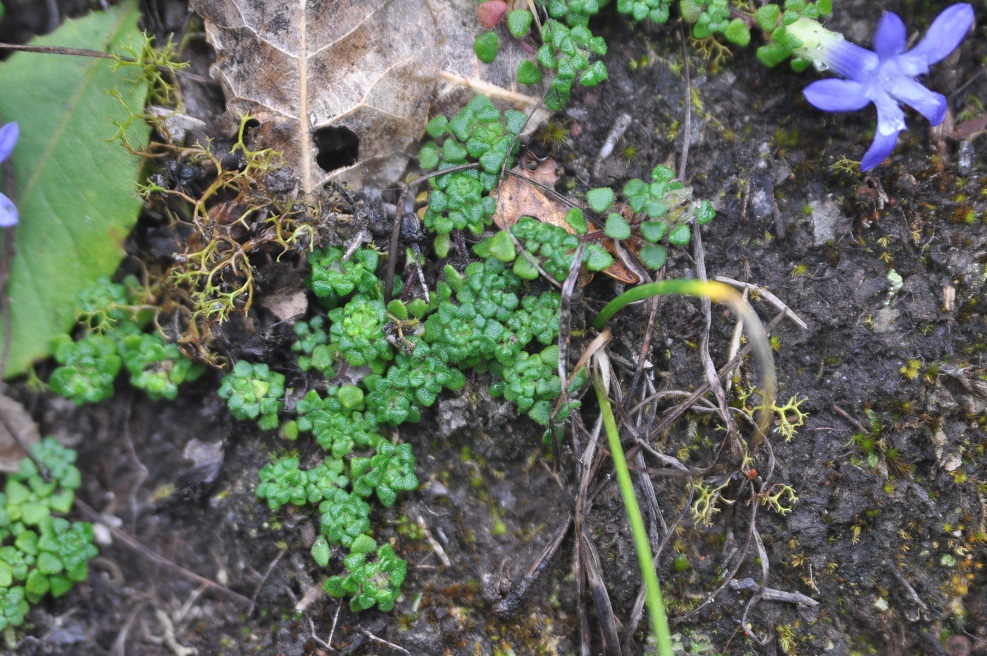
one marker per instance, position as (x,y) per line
(884,76)
(8,139)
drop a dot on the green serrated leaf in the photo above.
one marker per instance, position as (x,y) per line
(617,226)
(74,181)
(321,551)
(653,256)
(597,258)
(575,220)
(502,247)
(519,22)
(681,236)
(600,199)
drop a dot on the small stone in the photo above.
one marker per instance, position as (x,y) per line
(826,219)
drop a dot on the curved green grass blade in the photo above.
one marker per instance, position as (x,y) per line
(74,181)
(718,293)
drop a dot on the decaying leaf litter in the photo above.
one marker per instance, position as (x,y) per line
(492,505)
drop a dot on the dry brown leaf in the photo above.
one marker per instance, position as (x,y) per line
(354,76)
(517,197)
(342,87)
(17,418)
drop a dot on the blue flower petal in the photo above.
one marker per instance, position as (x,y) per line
(8,139)
(944,35)
(850,60)
(930,104)
(890,36)
(8,212)
(890,117)
(879,150)
(837,95)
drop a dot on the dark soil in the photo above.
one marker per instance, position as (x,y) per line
(887,537)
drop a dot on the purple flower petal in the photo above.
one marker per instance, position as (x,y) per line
(890,117)
(8,139)
(8,212)
(930,104)
(850,60)
(890,36)
(944,35)
(879,150)
(837,95)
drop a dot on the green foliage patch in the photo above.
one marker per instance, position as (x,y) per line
(41,553)
(113,318)
(74,179)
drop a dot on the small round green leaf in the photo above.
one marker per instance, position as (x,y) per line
(350,396)
(417,308)
(519,22)
(524,269)
(767,17)
(437,126)
(705,213)
(397,310)
(738,32)
(321,551)
(363,544)
(600,199)
(662,173)
(428,157)
(681,236)
(502,247)
(575,219)
(486,47)
(653,256)
(528,72)
(596,73)
(442,244)
(597,258)
(617,226)
(653,230)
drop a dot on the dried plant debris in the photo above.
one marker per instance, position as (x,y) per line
(343,88)
(340,88)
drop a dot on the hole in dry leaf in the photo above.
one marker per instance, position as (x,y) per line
(338,147)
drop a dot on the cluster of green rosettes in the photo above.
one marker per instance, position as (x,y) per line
(460,200)
(254,392)
(568,46)
(340,485)
(40,553)
(113,319)
(398,359)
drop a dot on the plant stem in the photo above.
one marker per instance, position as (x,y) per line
(656,608)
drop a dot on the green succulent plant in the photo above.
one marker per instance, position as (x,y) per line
(253,392)
(389,471)
(40,554)
(374,579)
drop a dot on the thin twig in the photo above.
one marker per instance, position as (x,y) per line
(687,123)
(436,546)
(766,295)
(154,556)
(699,254)
(267,573)
(509,604)
(72,52)
(843,413)
(385,642)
